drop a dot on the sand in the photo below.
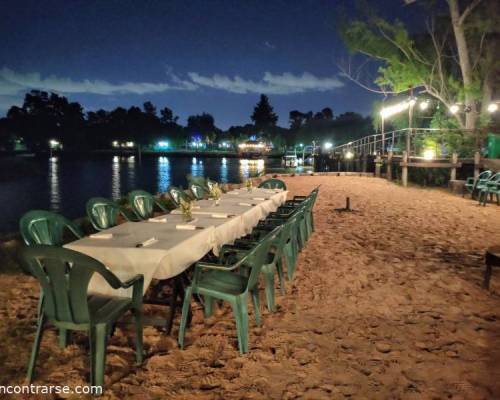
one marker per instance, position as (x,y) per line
(386,304)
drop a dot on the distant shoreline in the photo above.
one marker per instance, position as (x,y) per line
(144,153)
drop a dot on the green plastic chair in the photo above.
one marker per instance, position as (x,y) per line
(273,184)
(197,191)
(279,247)
(177,195)
(46,227)
(471,184)
(103,213)
(64,276)
(39,227)
(488,188)
(143,204)
(220,281)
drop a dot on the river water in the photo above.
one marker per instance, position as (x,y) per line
(63,184)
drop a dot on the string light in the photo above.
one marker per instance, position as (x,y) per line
(493,107)
(454,108)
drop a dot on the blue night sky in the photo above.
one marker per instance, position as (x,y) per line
(192,56)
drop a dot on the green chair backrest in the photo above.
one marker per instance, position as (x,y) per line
(64,276)
(45,227)
(485,175)
(177,195)
(494,178)
(103,213)
(273,184)
(142,203)
(257,257)
(197,190)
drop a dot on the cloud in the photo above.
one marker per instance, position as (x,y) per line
(285,83)
(12,82)
(269,45)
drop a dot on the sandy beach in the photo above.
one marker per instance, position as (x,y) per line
(386,304)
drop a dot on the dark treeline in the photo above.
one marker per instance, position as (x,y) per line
(49,116)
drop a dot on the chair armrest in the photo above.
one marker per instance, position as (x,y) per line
(132,281)
(220,267)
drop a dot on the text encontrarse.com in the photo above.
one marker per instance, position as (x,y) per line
(49,389)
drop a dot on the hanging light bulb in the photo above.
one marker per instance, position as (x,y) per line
(454,108)
(493,107)
(424,105)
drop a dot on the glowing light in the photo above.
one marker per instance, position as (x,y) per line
(429,154)
(163,144)
(454,108)
(412,102)
(115,143)
(328,145)
(424,105)
(224,160)
(193,160)
(54,143)
(301,144)
(129,144)
(493,107)
(116,159)
(396,108)
(349,155)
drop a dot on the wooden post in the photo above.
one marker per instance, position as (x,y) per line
(389,166)
(378,165)
(404,174)
(454,160)
(477,162)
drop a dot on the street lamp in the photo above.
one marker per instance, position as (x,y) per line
(454,108)
(328,145)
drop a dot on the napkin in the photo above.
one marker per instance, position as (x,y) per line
(158,219)
(245,204)
(219,215)
(101,235)
(185,227)
(148,242)
(259,198)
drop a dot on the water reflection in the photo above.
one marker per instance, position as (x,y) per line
(223,171)
(115,178)
(131,167)
(196,167)
(54,190)
(163,174)
(250,168)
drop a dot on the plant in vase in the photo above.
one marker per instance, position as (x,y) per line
(187,210)
(248,184)
(216,193)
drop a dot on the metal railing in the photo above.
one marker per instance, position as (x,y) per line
(396,141)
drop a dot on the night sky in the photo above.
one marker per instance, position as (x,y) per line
(192,56)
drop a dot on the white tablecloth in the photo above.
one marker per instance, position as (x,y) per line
(175,249)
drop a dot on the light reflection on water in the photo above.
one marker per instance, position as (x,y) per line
(223,170)
(197,167)
(115,178)
(54,189)
(250,168)
(131,167)
(163,174)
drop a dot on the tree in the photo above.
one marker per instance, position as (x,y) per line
(167,116)
(296,119)
(327,113)
(203,124)
(439,60)
(149,108)
(263,115)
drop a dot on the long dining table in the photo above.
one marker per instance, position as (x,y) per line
(165,246)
